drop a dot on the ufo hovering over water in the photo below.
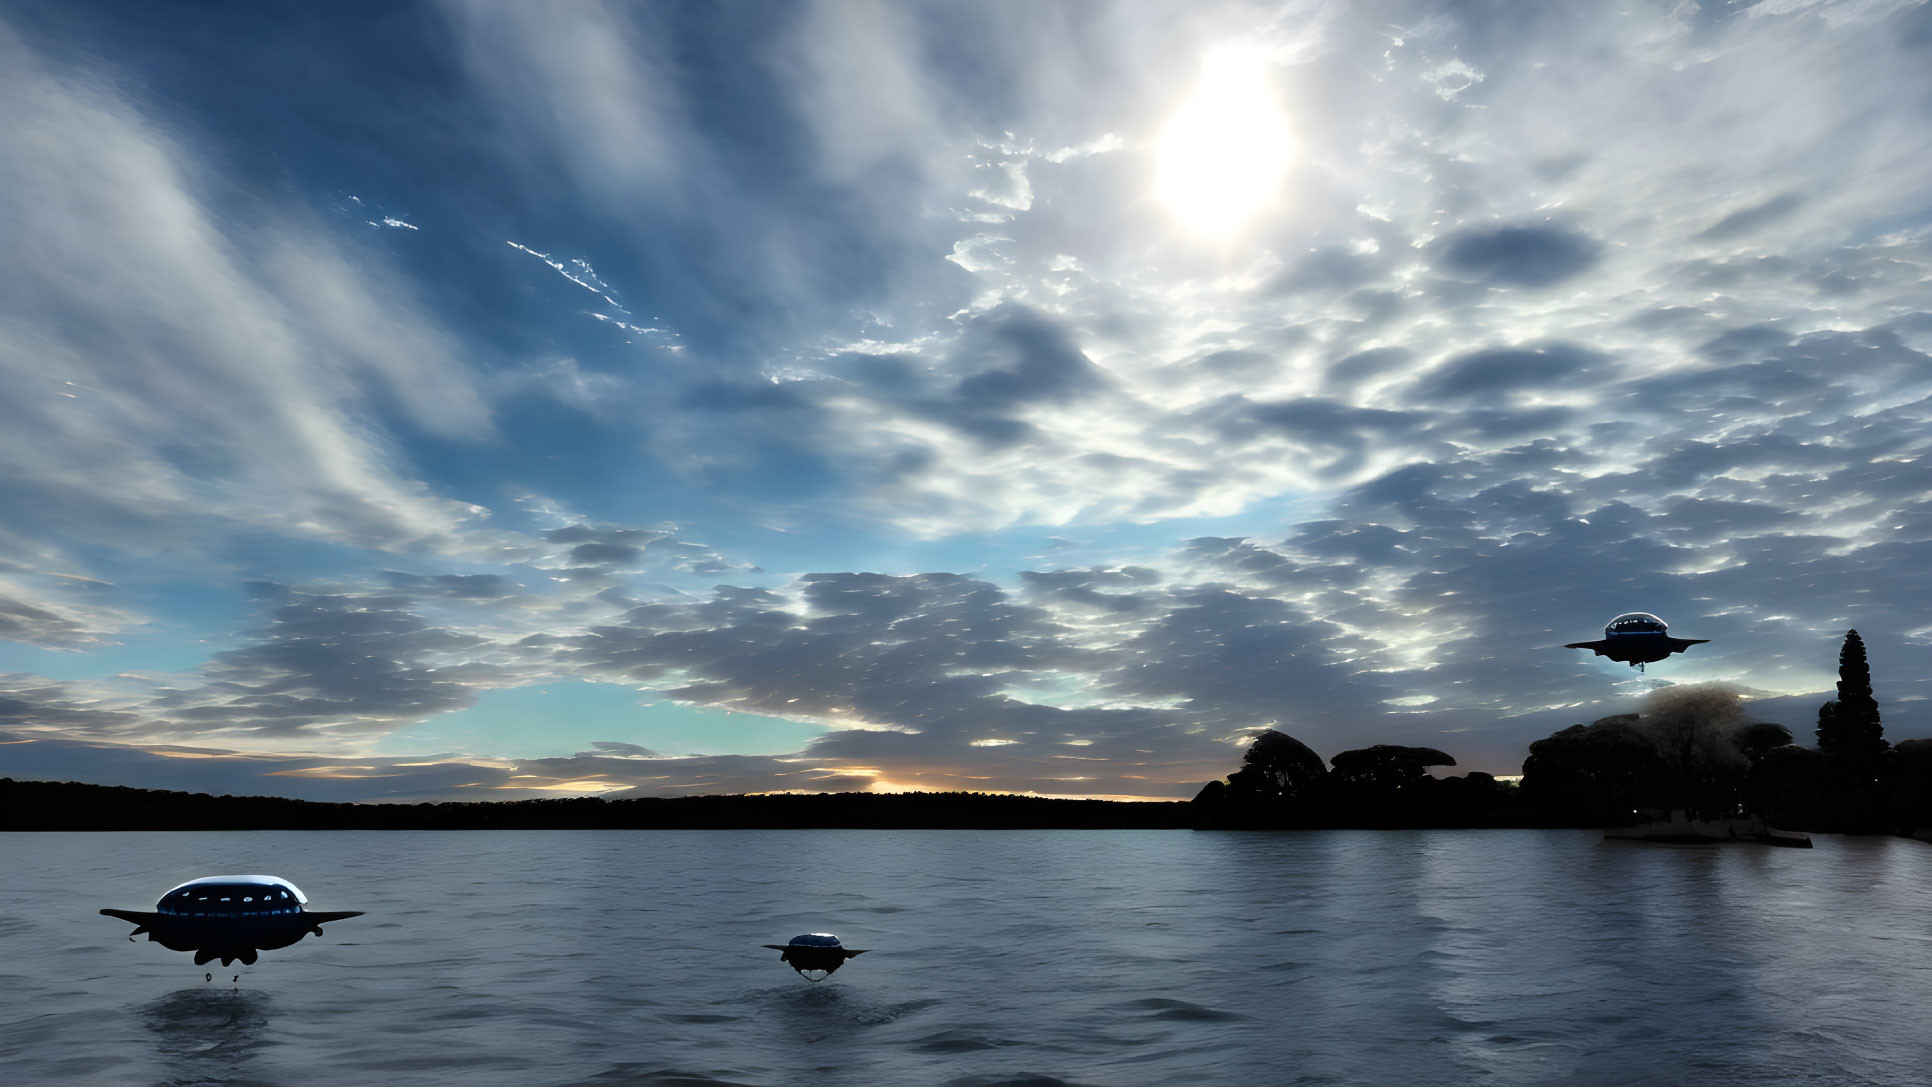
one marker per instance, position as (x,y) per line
(1637,638)
(815,952)
(229,917)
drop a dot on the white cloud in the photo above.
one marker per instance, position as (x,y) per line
(35,610)
(1548,220)
(570,77)
(170,365)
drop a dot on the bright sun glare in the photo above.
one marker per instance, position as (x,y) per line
(1222,157)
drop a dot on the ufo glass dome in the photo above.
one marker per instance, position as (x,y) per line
(228,900)
(1636,622)
(232,896)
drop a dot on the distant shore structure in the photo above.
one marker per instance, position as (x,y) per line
(1637,638)
(1680,828)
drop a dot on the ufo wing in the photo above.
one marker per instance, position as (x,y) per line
(847,951)
(1596,647)
(143,921)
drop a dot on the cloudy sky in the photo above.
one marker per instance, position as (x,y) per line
(491,400)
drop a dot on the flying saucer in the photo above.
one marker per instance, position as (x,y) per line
(229,917)
(815,951)
(1637,638)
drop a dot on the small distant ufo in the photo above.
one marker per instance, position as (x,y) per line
(814,951)
(1637,638)
(229,917)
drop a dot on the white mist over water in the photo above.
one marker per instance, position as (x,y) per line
(1080,957)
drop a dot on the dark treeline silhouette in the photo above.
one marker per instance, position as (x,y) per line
(1283,784)
(1691,750)
(43,805)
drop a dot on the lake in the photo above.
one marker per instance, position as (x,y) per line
(1000,957)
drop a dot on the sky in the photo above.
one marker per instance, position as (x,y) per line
(473,400)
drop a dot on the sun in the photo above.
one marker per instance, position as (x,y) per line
(1222,157)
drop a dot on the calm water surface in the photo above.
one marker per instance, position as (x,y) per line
(1080,957)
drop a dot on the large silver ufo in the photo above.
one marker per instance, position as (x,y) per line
(1637,638)
(230,917)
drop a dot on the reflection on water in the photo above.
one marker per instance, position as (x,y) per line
(544,959)
(209,1035)
(825,1014)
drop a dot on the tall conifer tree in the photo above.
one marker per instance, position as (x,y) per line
(1850,726)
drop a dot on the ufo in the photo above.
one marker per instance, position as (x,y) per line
(1637,638)
(815,952)
(229,917)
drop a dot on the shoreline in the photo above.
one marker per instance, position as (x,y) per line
(73,806)
(65,807)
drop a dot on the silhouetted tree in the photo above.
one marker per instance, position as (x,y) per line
(1909,799)
(1386,768)
(1771,783)
(1849,727)
(1475,799)
(1386,785)
(1278,777)
(1276,767)
(1787,786)
(1691,728)
(1853,743)
(1758,738)
(1594,774)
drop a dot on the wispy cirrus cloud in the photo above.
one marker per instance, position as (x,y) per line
(180,367)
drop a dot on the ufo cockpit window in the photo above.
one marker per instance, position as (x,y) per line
(1636,622)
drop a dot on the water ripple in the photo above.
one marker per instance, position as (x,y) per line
(1131,959)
